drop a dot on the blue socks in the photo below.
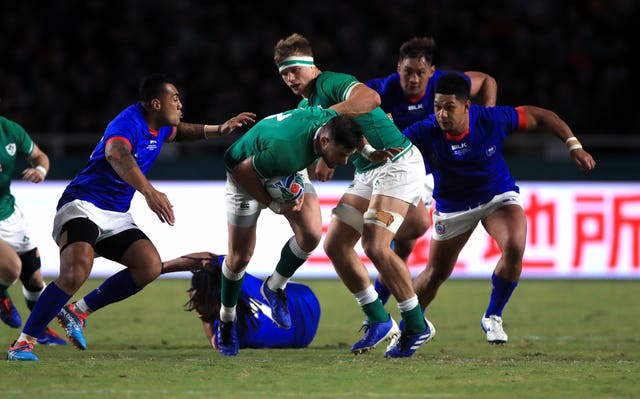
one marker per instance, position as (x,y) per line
(48,306)
(114,289)
(502,290)
(383,291)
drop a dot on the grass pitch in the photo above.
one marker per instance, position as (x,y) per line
(567,339)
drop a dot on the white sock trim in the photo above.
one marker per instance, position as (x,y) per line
(228,273)
(32,295)
(409,304)
(366,296)
(297,251)
(277,281)
(227,313)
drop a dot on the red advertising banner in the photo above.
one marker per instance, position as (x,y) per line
(575,230)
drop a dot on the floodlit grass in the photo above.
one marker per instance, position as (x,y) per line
(567,339)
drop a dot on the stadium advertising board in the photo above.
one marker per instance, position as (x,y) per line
(575,230)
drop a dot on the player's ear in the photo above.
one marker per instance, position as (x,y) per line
(155,104)
(324,140)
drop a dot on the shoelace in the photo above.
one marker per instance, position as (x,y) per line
(282,297)
(22,345)
(365,328)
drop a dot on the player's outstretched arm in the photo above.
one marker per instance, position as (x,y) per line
(541,118)
(193,131)
(39,162)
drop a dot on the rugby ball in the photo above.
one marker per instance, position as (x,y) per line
(285,189)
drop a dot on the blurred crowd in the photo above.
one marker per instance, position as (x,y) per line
(71,66)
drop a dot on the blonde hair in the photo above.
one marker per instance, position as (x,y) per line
(294,44)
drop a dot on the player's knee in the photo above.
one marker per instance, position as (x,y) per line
(437,275)
(10,267)
(30,265)
(513,252)
(238,261)
(331,247)
(309,240)
(76,261)
(403,248)
(413,226)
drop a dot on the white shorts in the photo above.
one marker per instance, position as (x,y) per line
(452,224)
(403,179)
(14,230)
(242,209)
(427,197)
(109,222)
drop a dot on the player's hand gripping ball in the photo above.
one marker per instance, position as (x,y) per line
(285,189)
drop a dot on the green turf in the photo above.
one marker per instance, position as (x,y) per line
(567,339)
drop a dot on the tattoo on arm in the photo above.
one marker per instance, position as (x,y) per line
(189,131)
(121,159)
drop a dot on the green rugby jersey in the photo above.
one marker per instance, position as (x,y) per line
(280,144)
(332,88)
(14,140)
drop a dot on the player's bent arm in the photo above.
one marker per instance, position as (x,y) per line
(119,156)
(542,118)
(248,178)
(188,262)
(39,162)
(194,131)
(484,88)
(361,100)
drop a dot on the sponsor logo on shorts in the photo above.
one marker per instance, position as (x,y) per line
(440,228)
(244,205)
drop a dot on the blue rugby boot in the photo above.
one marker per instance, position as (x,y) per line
(278,302)
(407,344)
(73,323)
(226,339)
(8,313)
(21,351)
(374,333)
(50,337)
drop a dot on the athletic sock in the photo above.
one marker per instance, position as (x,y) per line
(31,297)
(383,291)
(371,305)
(231,286)
(114,289)
(51,301)
(291,258)
(500,294)
(412,315)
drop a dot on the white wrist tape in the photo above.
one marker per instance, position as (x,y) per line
(41,169)
(575,147)
(367,150)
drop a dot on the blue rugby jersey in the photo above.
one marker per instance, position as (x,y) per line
(305,317)
(468,170)
(405,111)
(98,183)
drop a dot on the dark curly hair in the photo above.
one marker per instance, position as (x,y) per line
(204,295)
